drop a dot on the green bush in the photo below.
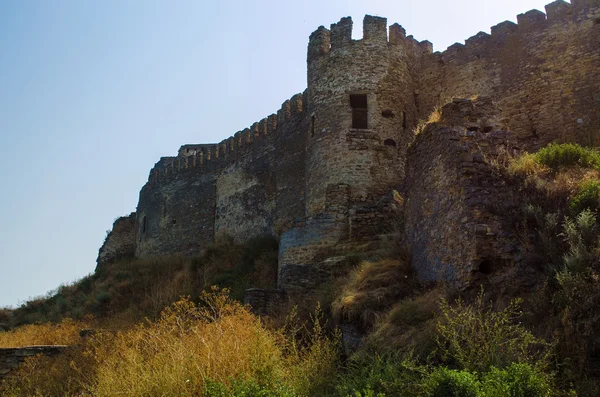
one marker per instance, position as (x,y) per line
(376,376)
(517,380)
(557,155)
(445,382)
(476,337)
(581,235)
(586,198)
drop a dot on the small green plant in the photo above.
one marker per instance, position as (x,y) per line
(517,380)
(586,198)
(581,235)
(369,375)
(444,382)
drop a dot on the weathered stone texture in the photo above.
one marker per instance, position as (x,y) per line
(10,358)
(452,231)
(544,73)
(264,301)
(120,241)
(319,172)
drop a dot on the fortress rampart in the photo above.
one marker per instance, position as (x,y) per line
(543,72)
(320,171)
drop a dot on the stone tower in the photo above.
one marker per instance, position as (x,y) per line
(362,103)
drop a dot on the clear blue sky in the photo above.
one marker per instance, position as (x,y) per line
(92,93)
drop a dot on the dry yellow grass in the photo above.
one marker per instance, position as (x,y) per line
(371,288)
(64,333)
(526,164)
(190,348)
(409,325)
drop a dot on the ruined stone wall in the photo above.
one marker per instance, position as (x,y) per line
(260,192)
(176,212)
(10,358)
(451,227)
(311,176)
(246,185)
(120,241)
(544,73)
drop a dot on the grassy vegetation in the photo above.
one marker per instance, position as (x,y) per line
(370,288)
(128,291)
(216,347)
(418,340)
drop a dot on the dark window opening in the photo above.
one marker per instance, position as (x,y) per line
(358,103)
(473,129)
(144,224)
(174,221)
(388,114)
(404,120)
(389,142)
(488,129)
(312,125)
(486,267)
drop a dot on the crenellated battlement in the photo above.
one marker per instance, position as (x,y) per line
(376,34)
(211,157)
(337,150)
(529,26)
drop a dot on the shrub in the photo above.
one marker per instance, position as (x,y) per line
(409,326)
(67,374)
(586,198)
(381,375)
(443,382)
(557,155)
(517,380)
(581,235)
(246,388)
(526,164)
(476,337)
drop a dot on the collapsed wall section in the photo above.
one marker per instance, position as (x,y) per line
(451,228)
(544,73)
(119,242)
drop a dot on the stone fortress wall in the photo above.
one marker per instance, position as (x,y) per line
(319,173)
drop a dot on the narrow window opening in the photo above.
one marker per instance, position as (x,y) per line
(388,114)
(312,125)
(174,221)
(389,142)
(404,120)
(144,224)
(358,103)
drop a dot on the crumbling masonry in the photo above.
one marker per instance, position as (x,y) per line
(319,173)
